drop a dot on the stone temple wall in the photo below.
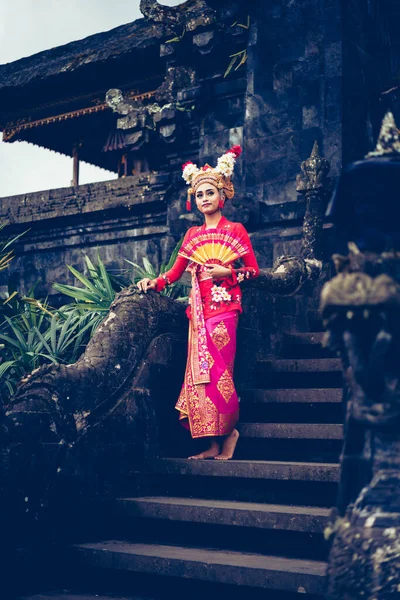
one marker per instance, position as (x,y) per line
(124,218)
(287,96)
(293,98)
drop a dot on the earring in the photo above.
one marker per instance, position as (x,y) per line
(221,203)
(189,199)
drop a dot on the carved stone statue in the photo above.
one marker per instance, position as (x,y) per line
(361,306)
(141,119)
(188,15)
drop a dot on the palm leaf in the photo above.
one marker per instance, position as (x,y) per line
(242,61)
(230,66)
(86,282)
(15,293)
(174,254)
(50,357)
(9,340)
(149,267)
(77,293)
(10,387)
(142,272)
(106,279)
(92,269)
(5,366)
(16,332)
(53,334)
(12,240)
(42,339)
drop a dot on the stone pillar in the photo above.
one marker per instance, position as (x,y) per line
(75,166)
(314,185)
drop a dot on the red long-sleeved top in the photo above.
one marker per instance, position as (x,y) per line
(231,292)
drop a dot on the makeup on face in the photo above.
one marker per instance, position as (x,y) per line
(207,198)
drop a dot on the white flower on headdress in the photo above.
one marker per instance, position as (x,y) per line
(226,164)
(190,170)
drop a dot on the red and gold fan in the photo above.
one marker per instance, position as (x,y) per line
(214,247)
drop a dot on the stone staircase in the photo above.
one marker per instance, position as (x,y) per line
(251,527)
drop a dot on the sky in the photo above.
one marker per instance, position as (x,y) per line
(28,27)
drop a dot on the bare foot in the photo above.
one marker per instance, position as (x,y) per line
(229,446)
(212,452)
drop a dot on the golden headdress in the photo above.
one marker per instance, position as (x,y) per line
(220,176)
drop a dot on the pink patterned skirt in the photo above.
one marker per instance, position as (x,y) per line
(211,408)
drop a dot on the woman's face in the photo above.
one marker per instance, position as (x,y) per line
(207,198)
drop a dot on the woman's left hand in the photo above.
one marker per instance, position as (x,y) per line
(218,271)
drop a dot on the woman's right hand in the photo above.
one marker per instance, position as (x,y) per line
(147,284)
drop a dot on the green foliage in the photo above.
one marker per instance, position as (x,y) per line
(239,58)
(177,38)
(32,333)
(98,292)
(6,255)
(176,290)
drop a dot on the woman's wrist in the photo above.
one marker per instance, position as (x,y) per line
(231,277)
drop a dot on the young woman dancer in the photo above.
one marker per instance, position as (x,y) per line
(208,404)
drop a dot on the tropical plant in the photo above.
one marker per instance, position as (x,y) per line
(176,290)
(18,331)
(98,292)
(33,333)
(65,338)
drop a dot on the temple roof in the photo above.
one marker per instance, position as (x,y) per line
(56,98)
(138,35)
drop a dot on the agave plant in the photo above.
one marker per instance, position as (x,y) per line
(98,292)
(22,347)
(176,290)
(35,334)
(66,336)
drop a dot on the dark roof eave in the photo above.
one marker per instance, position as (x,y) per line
(138,35)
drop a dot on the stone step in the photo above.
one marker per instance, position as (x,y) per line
(65,595)
(247,469)
(299,365)
(294,478)
(292,396)
(291,405)
(310,338)
(305,345)
(238,568)
(219,512)
(298,373)
(315,320)
(299,431)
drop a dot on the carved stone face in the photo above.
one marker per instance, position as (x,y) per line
(114,97)
(362,314)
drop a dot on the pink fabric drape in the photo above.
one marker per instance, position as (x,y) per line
(210,408)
